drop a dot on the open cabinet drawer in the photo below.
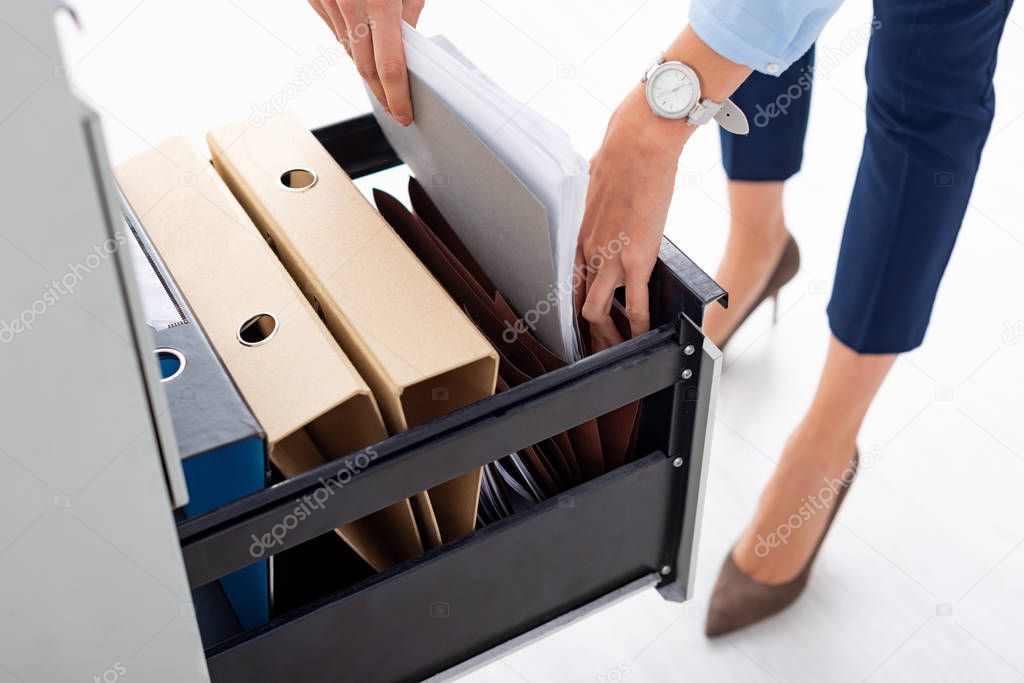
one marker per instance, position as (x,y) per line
(446,610)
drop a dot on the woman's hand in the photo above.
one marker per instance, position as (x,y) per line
(371,33)
(632,177)
(631,181)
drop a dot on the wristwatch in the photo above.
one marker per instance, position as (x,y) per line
(673,92)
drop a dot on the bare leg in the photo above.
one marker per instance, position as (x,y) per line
(818,452)
(757,235)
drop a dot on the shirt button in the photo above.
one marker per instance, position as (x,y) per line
(773,68)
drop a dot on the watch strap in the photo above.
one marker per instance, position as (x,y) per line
(658,61)
(703,112)
(731,118)
(726,114)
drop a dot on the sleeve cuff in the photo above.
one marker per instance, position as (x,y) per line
(738,41)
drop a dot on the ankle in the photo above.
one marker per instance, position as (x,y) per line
(821,446)
(761,244)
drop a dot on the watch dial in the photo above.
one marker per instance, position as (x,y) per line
(672,90)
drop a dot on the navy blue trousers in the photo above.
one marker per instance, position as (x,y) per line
(929,110)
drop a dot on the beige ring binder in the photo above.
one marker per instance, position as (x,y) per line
(308,397)
(416,349)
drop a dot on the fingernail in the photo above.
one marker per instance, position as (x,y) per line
(404,119)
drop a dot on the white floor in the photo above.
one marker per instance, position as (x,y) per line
(923,580)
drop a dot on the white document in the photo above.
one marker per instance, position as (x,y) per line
(537,153)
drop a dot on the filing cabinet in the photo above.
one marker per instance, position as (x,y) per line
(459,604)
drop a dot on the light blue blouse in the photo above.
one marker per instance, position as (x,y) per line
(766,35)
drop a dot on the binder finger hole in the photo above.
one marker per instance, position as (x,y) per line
(172,363)
(298,179)
(257,330)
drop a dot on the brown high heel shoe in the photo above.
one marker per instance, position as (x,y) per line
(786,270)
(738,600)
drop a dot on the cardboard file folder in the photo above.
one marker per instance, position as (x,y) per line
(417,350)
(615,431)
(311,402)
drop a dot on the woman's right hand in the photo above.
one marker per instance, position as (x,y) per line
(371,33)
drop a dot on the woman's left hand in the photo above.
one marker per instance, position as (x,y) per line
(632,177)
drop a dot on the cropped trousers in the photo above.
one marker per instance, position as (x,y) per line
(929,109)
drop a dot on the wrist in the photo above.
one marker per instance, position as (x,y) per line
(717,79)
(635,117)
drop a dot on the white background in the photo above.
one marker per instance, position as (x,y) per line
(922,578)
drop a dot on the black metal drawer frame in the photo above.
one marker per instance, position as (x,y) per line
(636,525)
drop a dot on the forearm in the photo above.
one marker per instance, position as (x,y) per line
(719,78)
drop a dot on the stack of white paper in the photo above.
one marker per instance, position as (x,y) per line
(535,150)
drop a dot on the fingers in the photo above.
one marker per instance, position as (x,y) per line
(360,45)
(411,11)
(637,306)
(371,32)
(319,9)
(335,21)
(604,273)
(389,56)
(579,280)
(598,305)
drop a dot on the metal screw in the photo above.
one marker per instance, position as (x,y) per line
(678,462)
(666,570)
(687,373)
(689,350)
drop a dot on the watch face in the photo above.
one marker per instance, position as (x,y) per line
(672,90)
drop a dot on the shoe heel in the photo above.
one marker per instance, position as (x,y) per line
(786,269)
